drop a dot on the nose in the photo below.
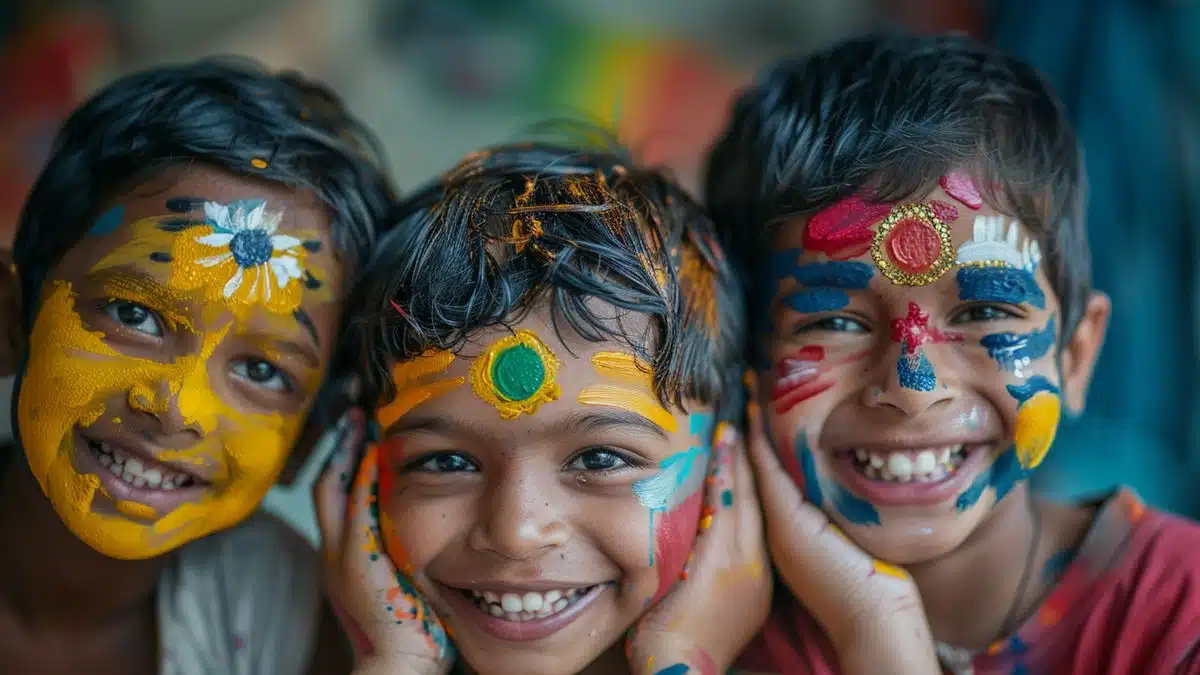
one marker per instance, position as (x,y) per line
(520,519)
(182,402)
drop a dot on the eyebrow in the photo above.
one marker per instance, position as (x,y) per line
(1000,284)
(299,350)
(576,422)
(305,320)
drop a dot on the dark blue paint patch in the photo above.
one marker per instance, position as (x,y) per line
(853,508)
(311,282)
(676,669)
(854,276)
(108,222)
(184,204)
(815,300)
(1000,284)
(1035,384)
(1012,351)
(160,257)
(1057,564)
(974,491)
(808,468)
(916,372)
(312,246)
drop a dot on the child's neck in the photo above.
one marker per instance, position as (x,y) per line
(985,589)
(52,580)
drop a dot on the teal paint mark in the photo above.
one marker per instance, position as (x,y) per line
(1057,565)
(808,469)
(674,669)
(1002,476)
(1014,351)
(727,498)
(664,490)
(108,222)
(853,508)
(1033,386)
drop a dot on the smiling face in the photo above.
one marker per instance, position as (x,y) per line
(915,375)
(539,493)
(174,355)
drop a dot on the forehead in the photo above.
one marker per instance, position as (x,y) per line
(910,244)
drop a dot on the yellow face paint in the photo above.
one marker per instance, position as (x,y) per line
(516,374)
(412,389)
(1037,425)
(233,259)
(71,376)
(638,398)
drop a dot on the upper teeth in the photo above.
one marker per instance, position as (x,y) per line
(528,605)
(929,464)
(131,470)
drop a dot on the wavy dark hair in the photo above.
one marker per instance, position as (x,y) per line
(223,112)
(516,227)
(891,113)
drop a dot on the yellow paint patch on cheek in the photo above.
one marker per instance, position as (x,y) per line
(638,398)
(413,387)
(1036,427)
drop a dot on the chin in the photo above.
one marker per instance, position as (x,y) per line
(911,538)
(528,661)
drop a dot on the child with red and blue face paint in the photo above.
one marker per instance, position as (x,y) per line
(907,212)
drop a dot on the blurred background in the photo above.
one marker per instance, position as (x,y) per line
(436,79)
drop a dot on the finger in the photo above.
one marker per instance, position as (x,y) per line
(746,504)
(780,496)
(330,491)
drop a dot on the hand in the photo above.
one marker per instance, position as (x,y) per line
(870,610)
(706,620)
(392,628)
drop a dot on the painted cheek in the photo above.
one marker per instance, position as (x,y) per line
(674,496)
(1014,352)
(799,378)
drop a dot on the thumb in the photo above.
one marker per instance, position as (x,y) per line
(783,505)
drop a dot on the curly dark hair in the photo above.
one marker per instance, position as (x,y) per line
(229,113)
(516,227)
(892,113)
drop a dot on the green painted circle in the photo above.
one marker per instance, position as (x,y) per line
(518,373)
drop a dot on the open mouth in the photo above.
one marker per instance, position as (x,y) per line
(137,472)
(527,606)
(925,465)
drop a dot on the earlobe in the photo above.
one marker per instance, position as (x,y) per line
(1081,351)
(12,346)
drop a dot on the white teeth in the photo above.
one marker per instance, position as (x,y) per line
(922,466)
(526,606)
(133,471)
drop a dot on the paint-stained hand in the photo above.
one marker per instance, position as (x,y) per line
(870,610)
(393,630)
(707,619)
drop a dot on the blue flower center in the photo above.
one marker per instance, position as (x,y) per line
(251,248)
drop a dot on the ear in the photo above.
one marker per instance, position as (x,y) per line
(12,332)
(1078,357)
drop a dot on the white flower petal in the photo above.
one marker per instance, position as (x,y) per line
(286,268)
(234,283)
(282,242)
(218,214)
(216,239)
(270,221)
(213,261)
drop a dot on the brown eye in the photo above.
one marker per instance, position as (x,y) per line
(263,374)
(134,317)
(599,459)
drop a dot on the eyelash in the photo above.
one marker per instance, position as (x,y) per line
(833,324)
(971,314)
(427,463)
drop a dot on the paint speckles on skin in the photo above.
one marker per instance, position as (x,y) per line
(1015,351)
(959,185)
(844,230)
(413,387)
(637,398)
(108,222)
(517,374)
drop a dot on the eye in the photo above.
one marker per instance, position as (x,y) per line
(600,459)
(834,324)
(443,462)
(976,313)
(134,317)
(262,374)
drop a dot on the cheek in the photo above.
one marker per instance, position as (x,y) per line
(674,534)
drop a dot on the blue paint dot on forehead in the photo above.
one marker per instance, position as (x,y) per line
(108,222)
(1000,284)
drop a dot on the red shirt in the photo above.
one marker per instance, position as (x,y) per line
(1127,604)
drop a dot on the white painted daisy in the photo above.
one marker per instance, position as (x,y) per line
(247,230)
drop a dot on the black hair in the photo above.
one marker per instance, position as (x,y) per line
(516,227)
(228,113)
(889,114)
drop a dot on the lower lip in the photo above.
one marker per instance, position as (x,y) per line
(162,501)
(520,631)
(910,494)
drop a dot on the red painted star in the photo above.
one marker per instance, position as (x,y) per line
(913,331)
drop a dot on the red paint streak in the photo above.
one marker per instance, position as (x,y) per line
(913,330)
(400,310)
(797,378)
(674,534)
(843,231)
(703,662)
(947,213)
(913,245)
(961,186)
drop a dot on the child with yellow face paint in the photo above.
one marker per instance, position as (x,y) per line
(181,265)
(908,214)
